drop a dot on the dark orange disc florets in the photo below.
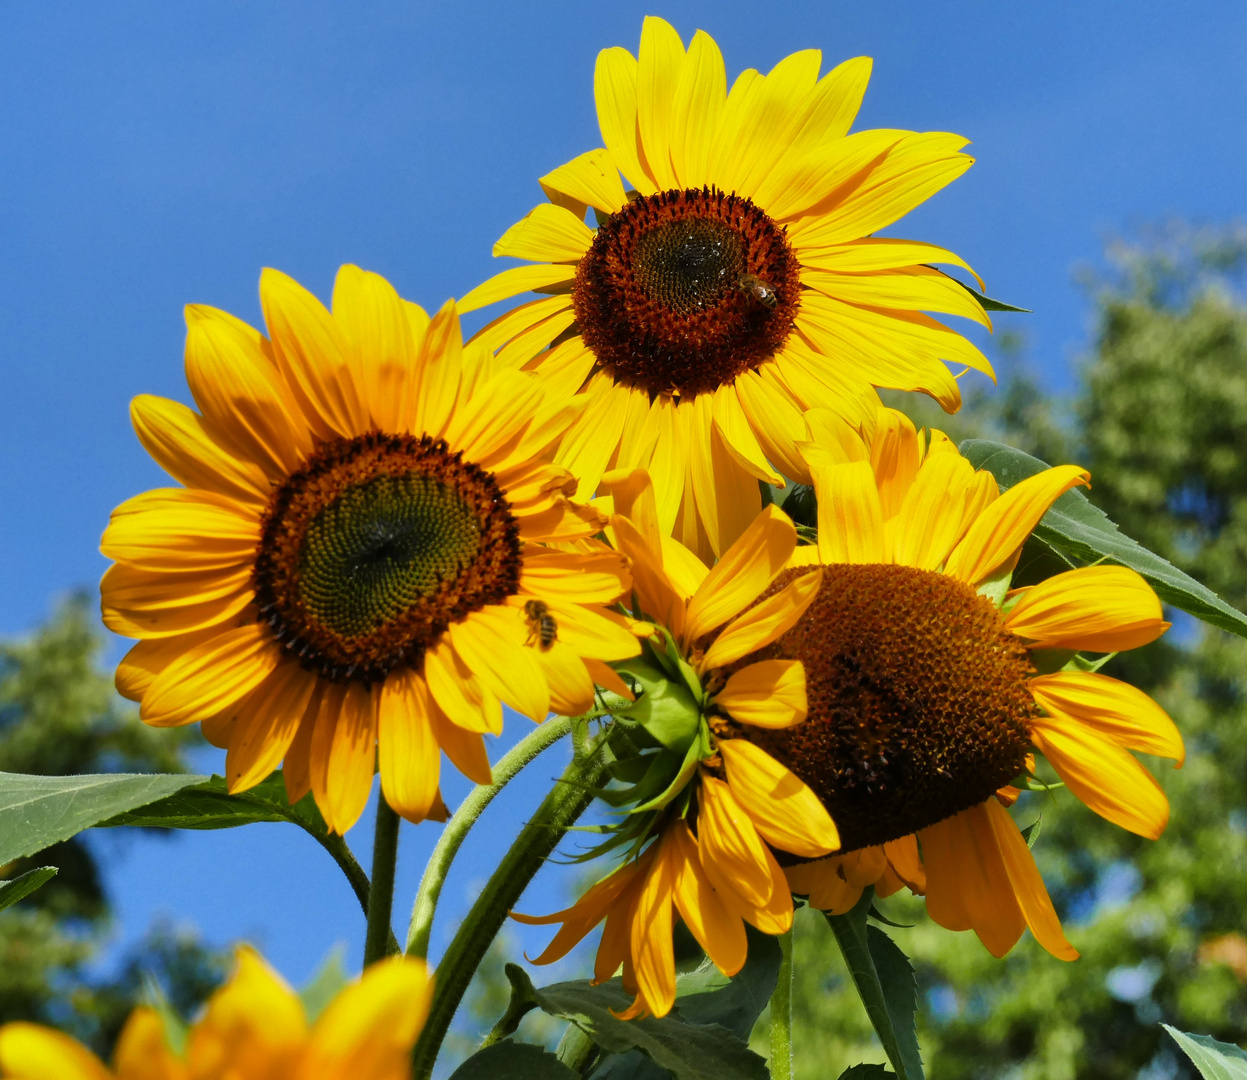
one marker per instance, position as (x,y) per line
(683,291)
(372,549)
(918,703)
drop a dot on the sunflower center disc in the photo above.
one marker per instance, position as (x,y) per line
(918,703)
(683,291)
(375,547)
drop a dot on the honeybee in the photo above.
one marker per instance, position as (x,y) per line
(762,291)
(541,625)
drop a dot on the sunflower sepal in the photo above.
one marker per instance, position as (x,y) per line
(665,706)
(996,587)
(696,751)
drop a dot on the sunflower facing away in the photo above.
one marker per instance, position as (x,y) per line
(254,1028)
(733,279)
(354,565)
(712,809)
(931,685)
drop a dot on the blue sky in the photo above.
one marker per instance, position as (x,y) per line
(156,155)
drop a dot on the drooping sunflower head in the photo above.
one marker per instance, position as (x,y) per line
(735,259)
(352,561)
(931,685)
(701,813)
(253,1026)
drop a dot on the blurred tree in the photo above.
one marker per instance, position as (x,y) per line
(1160,418)
(59,714)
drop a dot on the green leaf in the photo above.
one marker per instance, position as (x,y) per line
(664,706)
(865,1071)
(39,811)
(207,804)
(988,303)
(706,996)
(1078,529)
(688,1051)
(1214,1060)
(513,1061)
(326,984)
(885,981)
(24,884)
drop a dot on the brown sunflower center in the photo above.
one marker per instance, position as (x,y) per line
(373,548)
(683,291)
(918,703)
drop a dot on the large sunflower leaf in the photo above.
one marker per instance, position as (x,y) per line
(686,1051)
(39,811)
(1214,1060)
(1077,529)
(885,981)
(23,885)
(515,1061)
(208,804)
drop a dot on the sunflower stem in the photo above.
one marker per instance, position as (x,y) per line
(381,893)
(569,798)
(781,1013)
(460,824)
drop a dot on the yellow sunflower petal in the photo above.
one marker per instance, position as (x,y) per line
(764,623)
(344,755)
(591,630)
(140,666)
(738,435)
(659,599)
(1003,527)
(549,234)
(782,807)
(719,932)
(407,751)
(211,677)
(368,1030)
(175,436)
(153,604)
(850,518)
(659,61)
(615,94)
(1096,608)
(835,168)
(33,1052)
(572,692)
(491,645)
(458,692)
(465,749)
(142,1051)
(519,279)
(1117,710)
(653,956)
(377,341)
(879,253)
(744,572)
(1028,887)
(933,515)
(600,577)
(180,529)
(1103,775)
(591,178)
(913,288)
(700,97)
(732,852)
(439,367)
(267,723)
(768,694)
(246,407)
(775,418)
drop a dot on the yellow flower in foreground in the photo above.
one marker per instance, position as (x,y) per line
(710,854)
(930,685)
(735,281)
(354,566)
(254,1028)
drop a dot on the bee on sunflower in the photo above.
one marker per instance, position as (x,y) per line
(253,1026)
(734,278)
(346,572)
(701,814)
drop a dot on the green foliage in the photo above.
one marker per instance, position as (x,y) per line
(24,884)
(1215,1060)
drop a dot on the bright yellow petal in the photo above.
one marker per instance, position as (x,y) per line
(519,279)
(597,578)
(879,253)
(140,666)
(738,436)
(1103,775)
(155,604)
(1028,887)
(653,956)
(466,749)
(490,642)
(267,723)
(1096,608)
(33,1052)
(719,932)
(659,61)
(615,94)
(459,693)
(732,852)
(786,812)
(407,751)
(935,512)
(350,762)
(659,599)
(768,694)
(587,447)
(998,534)
(1117,710)
(699,99)
(764,623)
(176,437)
(744,572)
(368,1030)
(142,1051)
(549,234)
(180,529)
(894,456)
(916,288)
(850,518)
(209,678)
(436,381)
(592,178)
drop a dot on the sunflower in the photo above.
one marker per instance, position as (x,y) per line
(703,845)
(255,1027)
(931,684)
(354,564)
(735,281)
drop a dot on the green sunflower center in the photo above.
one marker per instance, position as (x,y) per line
(374,547)
(683,291)
(918,700)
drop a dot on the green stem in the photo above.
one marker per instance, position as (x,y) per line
(457,829)
(559,810)
(781,1013)
(381,895)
